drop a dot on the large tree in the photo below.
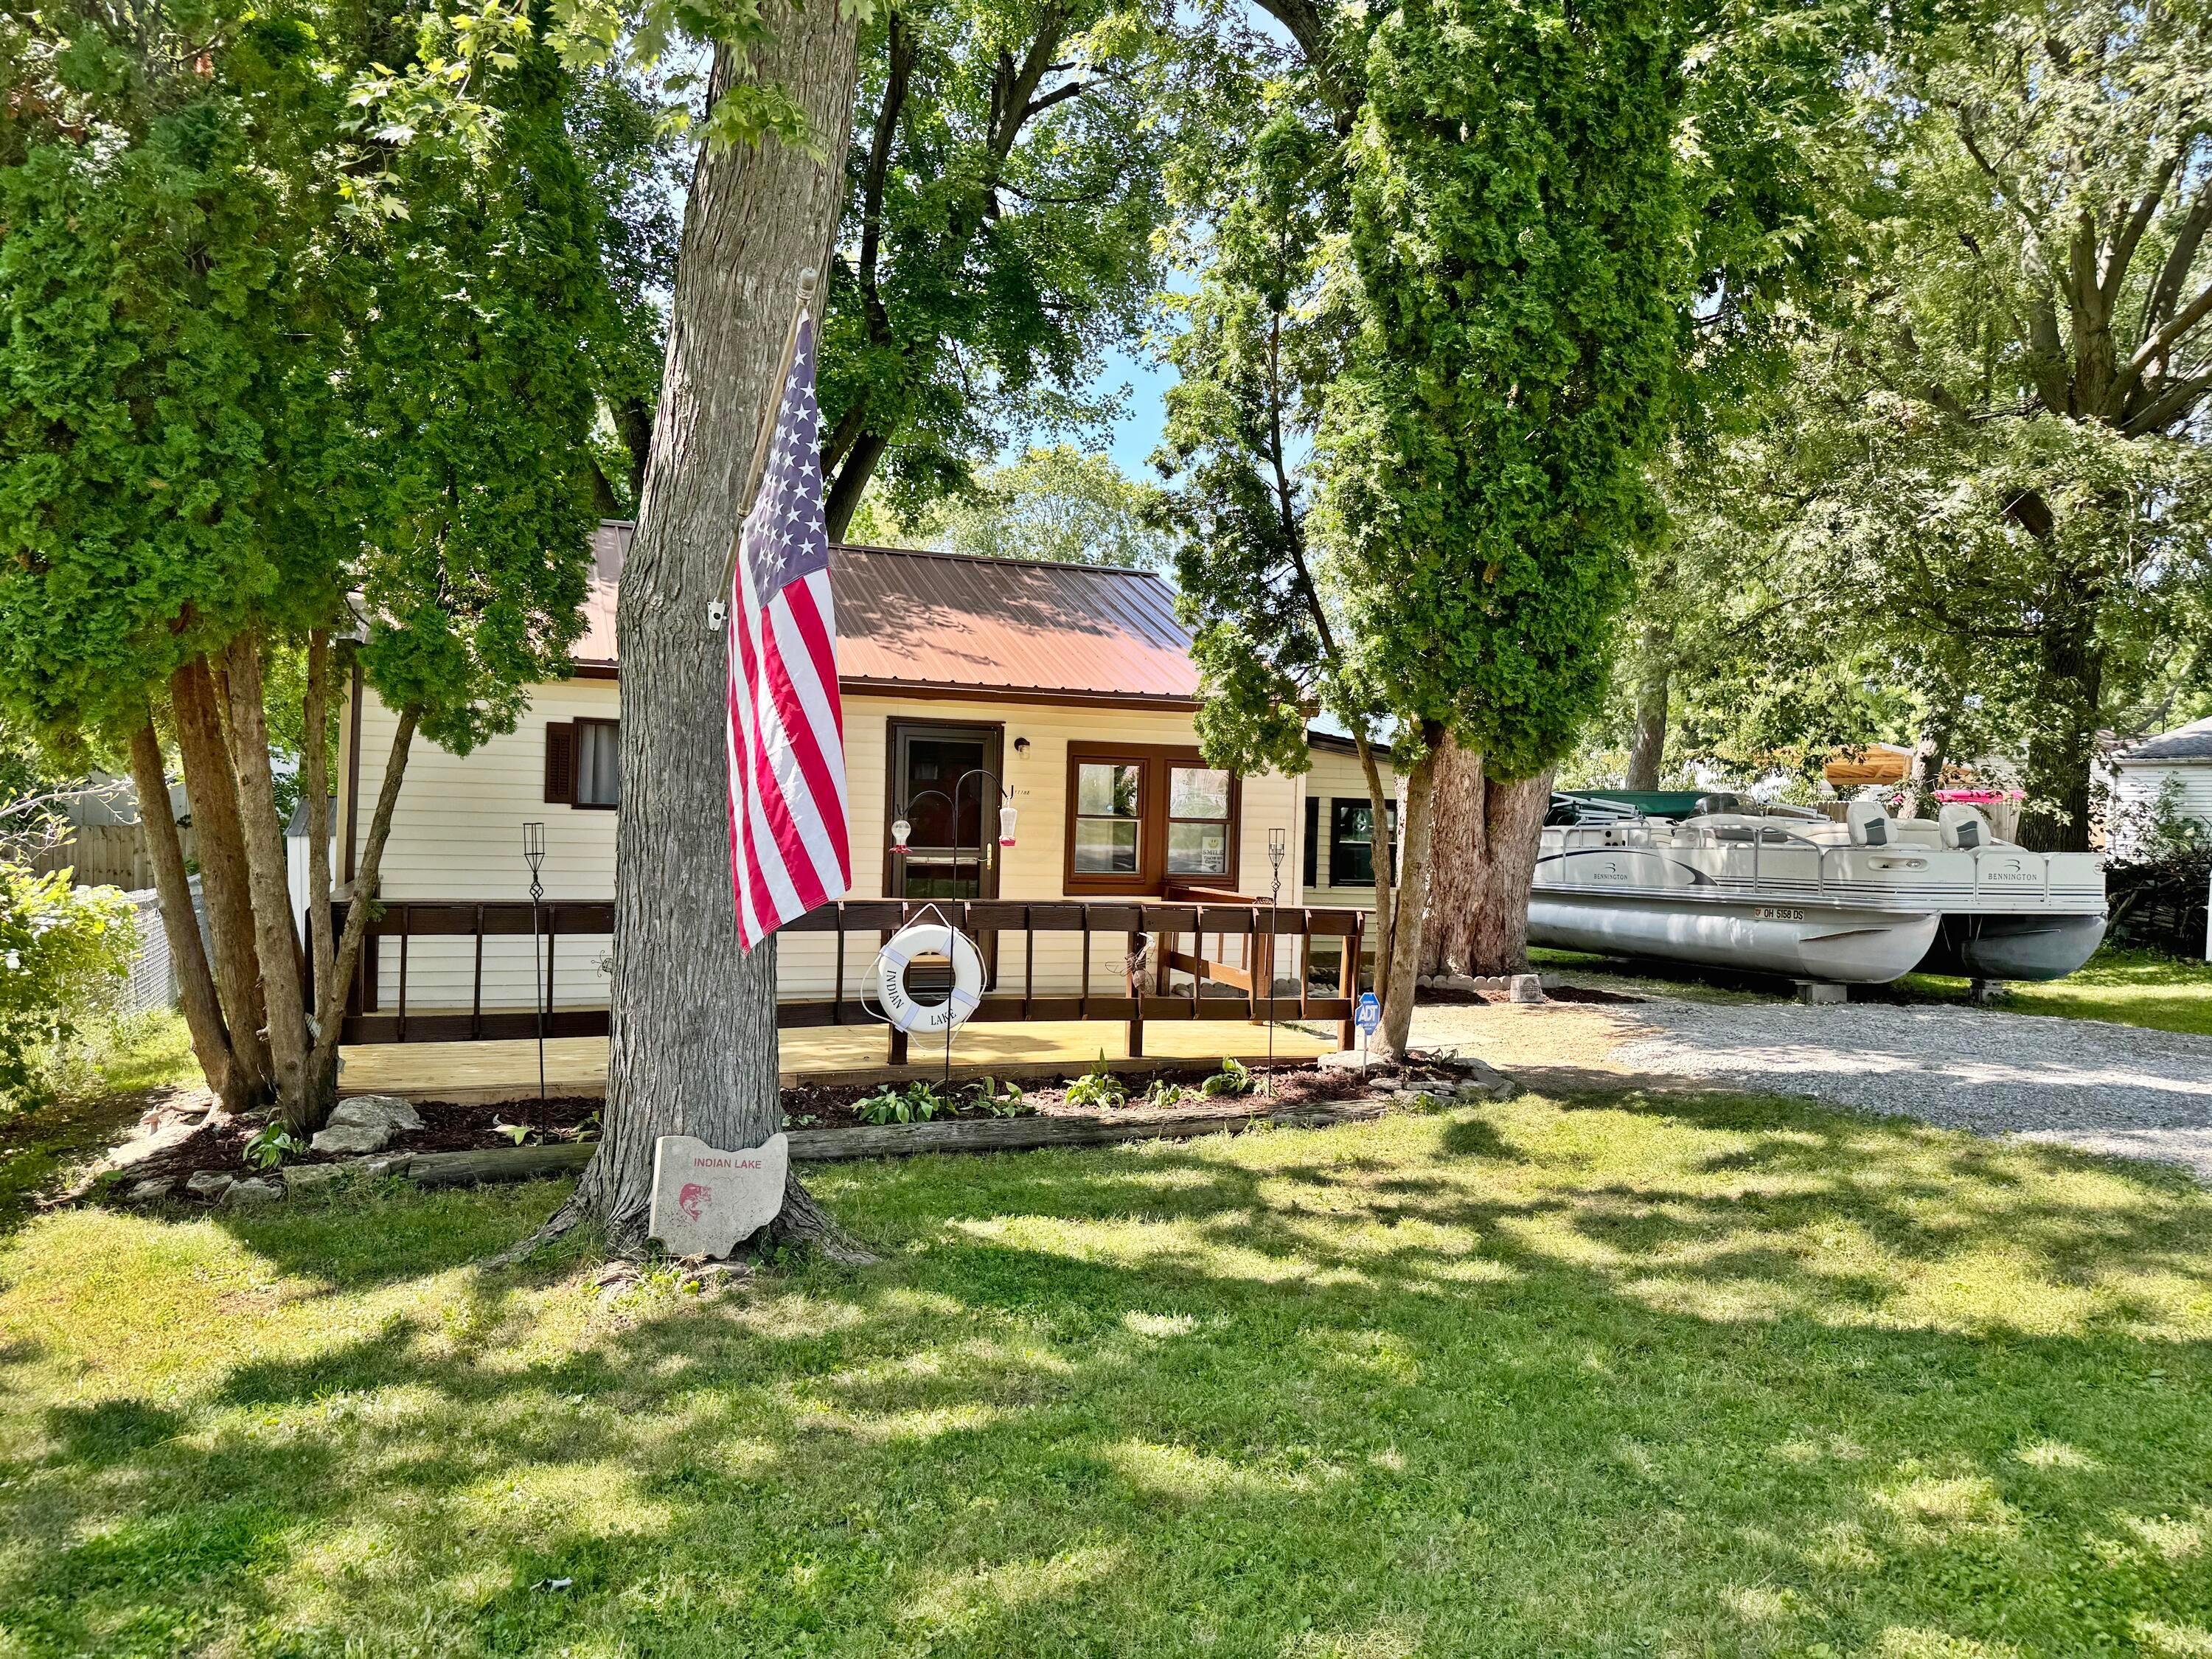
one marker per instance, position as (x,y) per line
(693,1044)
(1004,195)
(255,364)
(1984,482)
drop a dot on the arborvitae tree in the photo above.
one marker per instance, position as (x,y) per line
(254,364)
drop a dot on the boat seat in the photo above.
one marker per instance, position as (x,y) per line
(1963,828)
(1870,825)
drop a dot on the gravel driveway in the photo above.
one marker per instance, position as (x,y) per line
(2082,1083)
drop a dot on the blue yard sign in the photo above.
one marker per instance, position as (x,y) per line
(1368,1016)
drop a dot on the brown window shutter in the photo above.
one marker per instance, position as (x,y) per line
(560,761)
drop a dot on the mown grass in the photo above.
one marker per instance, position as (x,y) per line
(1682,1376)
(102,1090)
(2128,988)
(2131,987)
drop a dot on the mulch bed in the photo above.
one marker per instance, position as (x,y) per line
(448,1128)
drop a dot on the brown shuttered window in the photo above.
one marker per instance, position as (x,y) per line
(560,761)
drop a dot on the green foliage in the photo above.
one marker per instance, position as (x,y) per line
(1975,510)
(64,951)
(918,1102)
(1232,1081)
(1006,1101)
(271,1145)
(1058,505)
(1163,1093)
(1004,195)
(228,397)
(1098,1091)
(1516,225)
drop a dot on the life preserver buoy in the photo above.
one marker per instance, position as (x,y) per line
(924,938)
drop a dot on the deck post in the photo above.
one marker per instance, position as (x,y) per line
(1349,978)
(1133,971)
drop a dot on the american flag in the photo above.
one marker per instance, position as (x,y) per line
(790,849)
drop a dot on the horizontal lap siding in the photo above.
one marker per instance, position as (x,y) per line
(457,835)
(1337,777)
(2135,792)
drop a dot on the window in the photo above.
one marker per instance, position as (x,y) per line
(1351,841)
(1146,815)
(583,764)
(599,763)
(1109,798)
(1198,822)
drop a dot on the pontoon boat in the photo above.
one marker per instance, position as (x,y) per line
(1783,891)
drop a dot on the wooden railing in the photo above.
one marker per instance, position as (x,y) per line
(1139,990)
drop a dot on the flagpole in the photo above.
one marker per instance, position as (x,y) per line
(809,281)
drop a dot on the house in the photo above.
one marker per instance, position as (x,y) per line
(1063,693)
(2168,775)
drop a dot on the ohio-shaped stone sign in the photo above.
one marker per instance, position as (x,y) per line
(706,1201)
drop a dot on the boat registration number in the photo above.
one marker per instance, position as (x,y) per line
(1775,913)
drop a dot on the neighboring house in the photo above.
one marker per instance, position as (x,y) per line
(2168,774)
(1071,685)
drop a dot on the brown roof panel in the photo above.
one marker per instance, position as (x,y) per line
(995,628)
(1006,626)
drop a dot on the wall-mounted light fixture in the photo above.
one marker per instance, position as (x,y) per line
(1021,745)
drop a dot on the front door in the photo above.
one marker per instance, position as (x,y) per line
(943,782)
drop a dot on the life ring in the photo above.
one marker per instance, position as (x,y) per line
(923,938)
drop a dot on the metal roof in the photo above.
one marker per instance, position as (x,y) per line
(911,619)
(2192,742)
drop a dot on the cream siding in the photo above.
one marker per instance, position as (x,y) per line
(457,835)
(1336,776)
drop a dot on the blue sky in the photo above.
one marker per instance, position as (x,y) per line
(1138,432)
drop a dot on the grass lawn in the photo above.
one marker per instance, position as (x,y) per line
(97,1105)
(2130,988)
(1680,1376)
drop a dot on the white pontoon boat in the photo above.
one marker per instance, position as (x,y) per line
(1772,890)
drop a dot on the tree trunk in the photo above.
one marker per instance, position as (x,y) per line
(852,482)
(1513,833)
(302,1109)
(196,992)
(1647,751)
(330,990)
(1414,845)
(1458,862)
(315,781)
(194,700)
(692,1048)
(1929,756)
(1385,846)
(2062,749)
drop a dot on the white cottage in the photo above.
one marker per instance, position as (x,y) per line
(1064,692)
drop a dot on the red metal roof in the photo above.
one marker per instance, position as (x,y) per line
(910,620)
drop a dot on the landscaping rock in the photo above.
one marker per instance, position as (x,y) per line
(209,1183)
(706,1201)
(367,1123)
(1524,988)
(254,1190)
(1348,1060)
(149,1192)
(303,1178)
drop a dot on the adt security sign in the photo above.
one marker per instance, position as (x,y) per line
(1368,1016)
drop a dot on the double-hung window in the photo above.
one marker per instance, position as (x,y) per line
(583,764)
(1351,841)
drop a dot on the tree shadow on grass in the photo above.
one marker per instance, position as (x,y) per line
(1153,1401)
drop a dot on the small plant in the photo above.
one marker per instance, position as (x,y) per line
(1164,1093)
(1098,1089)
(917,1102)
(804,1120)
(1234,1079)
(1005,1102)
(271,1145)
(517,1132)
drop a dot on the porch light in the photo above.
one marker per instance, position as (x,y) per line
(1006,826)
(900,830)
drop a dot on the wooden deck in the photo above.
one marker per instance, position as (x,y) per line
(481,1072)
